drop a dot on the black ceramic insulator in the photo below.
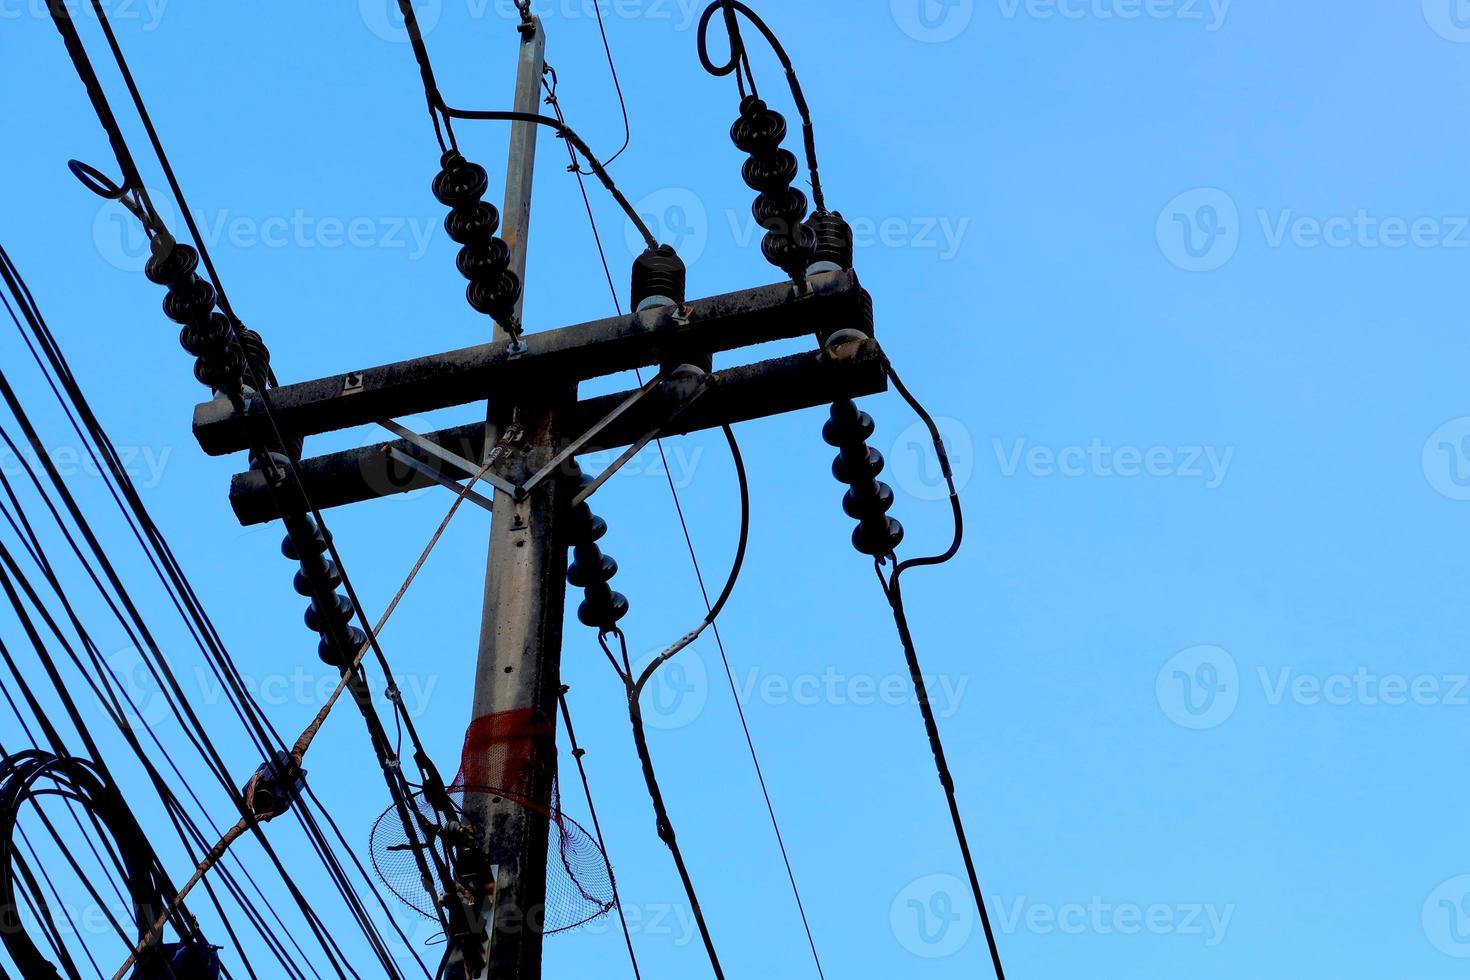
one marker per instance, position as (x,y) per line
(220,371)
(170,262)
(496,298)
(877,538)
(771,173)
(206,337)
(857,465)
(596,569)
(760,129)
(847,425)
(872,500)
(330,575)
(339,615)
(780,208)
(603,615)
(191,301)
(460,183)
(473,225)
(326,650)
(659,272)
(317,545)
(834,239)
(484,259)
(257,356)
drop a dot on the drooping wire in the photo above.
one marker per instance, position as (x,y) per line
(892,591)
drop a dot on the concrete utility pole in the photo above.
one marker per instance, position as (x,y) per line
(519,669)
(535,428)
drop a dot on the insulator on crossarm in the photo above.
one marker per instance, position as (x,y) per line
(770,171)
(659,279)
(494,288)
(834,242)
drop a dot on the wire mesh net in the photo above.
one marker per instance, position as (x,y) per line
(579,888)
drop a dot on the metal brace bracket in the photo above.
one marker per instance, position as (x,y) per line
(693,387)
(400,456)
(452,458)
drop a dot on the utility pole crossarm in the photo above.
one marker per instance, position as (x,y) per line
(564,356)
(741,394)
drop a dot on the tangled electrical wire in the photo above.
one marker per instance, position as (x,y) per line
(30,776)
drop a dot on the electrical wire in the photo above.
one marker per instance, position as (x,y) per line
(577,753)
(554,101)
(894,594)
(397,783)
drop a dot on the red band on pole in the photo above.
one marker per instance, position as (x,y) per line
(499,749)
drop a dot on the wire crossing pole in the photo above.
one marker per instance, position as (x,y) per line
(519,671)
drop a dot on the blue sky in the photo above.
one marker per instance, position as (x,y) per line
(1179,276)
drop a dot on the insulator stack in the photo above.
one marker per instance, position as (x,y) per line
(591,571)
(190,302)
(868,499)
(484,259)
(770,171)
(332,615)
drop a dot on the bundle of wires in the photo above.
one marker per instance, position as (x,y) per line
(25,778)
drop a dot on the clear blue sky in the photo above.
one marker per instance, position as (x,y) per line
(1182,278)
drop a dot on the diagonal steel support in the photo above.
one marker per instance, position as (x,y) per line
(453,459)
(428,471)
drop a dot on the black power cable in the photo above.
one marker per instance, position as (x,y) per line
(894,594)
(397,783)
(82,782)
